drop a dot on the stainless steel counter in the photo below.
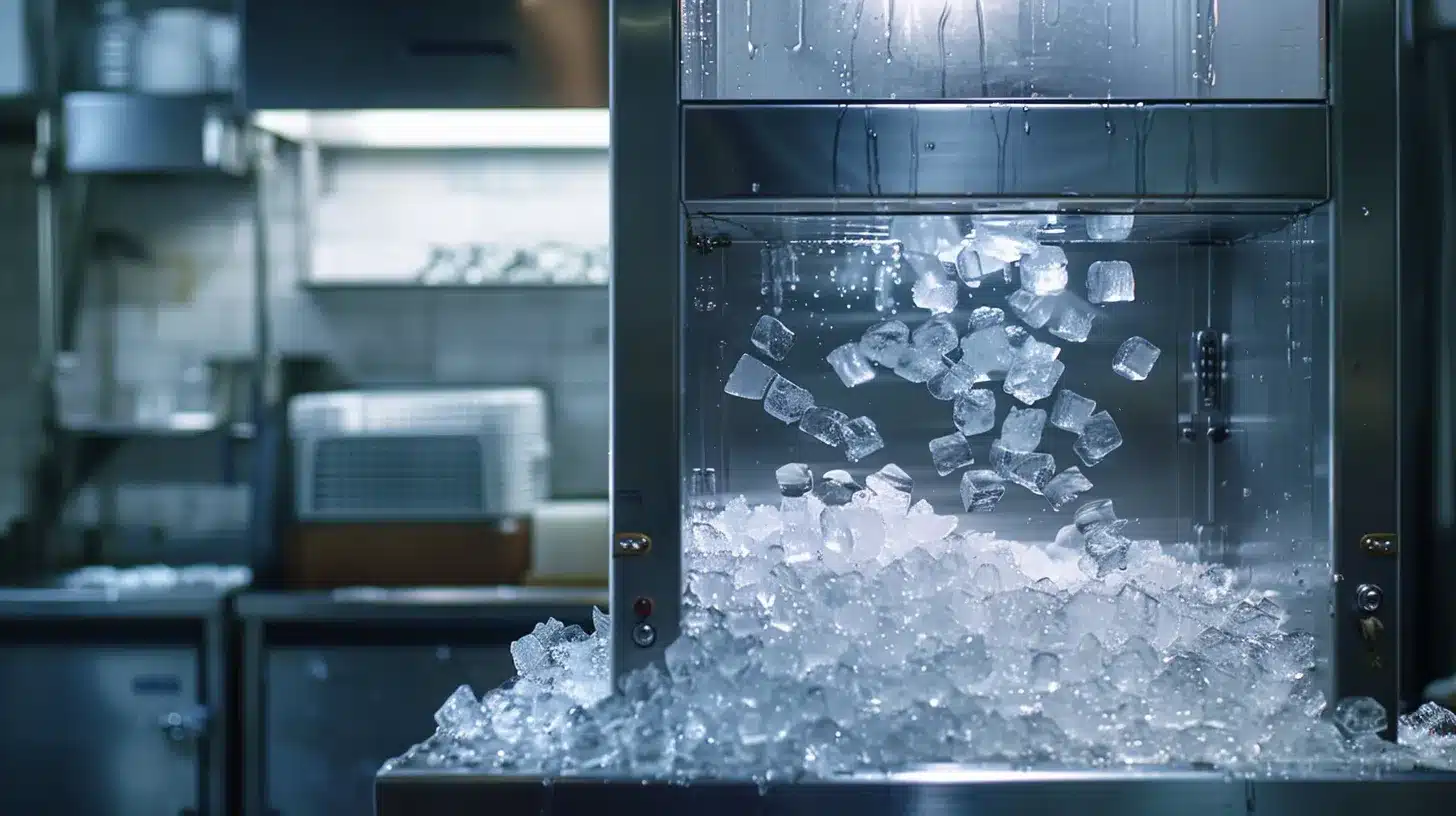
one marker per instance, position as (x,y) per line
(100,604)
(982,791)
(365,605)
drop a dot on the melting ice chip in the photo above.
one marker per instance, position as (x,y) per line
(984,317)
(795,479)
(1135,359)
(953,381)
(461,712)
(1044,272)
(1360,716)
(974,267)
(1021,430)
(750,378)
(928,234)
(849,363)
(772,337)
(1030,381)
(981,491)
(1110,282)
(861,438)
(1004,239)
(935,292)
(1109,227)
(1100,436)
(950,453)
(785,401)
(886,342)
(1094,513)
(975,412)
(988,351)
(1034,310)
(836,488)
(1065,487)
(1074,320)
(824,424)
(1071,410)
(937,334)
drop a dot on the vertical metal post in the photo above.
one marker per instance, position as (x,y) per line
(646,305)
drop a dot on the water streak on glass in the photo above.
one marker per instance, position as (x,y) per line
(981,45)
(940,45)
(748,28)
(854,41)
(1055,17)
(799,33)
(889,31)
(1136,21)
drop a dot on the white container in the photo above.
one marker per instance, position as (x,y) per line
(15,79)
(222,52)
(173,52)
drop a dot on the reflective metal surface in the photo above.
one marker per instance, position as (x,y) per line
(865,155)
(124,133)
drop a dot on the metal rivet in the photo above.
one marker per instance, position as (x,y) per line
(1369,597)
(644,635)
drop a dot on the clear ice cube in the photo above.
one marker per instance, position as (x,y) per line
(836,488)
(952,382)
(1100,436)
(850,363)
(1032,471)
(1033,310)
(461,712)
(974,267)
(936,334)
(1044,272)
(861,438)
(1005,239)
(1094,513)
(1071,411)
(935,293)
(984,317)
(988,351)
(920,365)
(824,424)
(772,337)
(1135,359)
(1021,430)
(950,453)
(1109,227)
(1360,716)
(1016,335)
(1107,548)
(981,491)
(891,480)
(885,342)
(750,378)
(1074,319)
(529,654)
(1033,350)
(1065,487)
(1032,381)
(927,234)
(786,401)
(975,411)
(1111,282)
(922,525)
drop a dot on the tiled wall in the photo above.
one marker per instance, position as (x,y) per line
(192,296)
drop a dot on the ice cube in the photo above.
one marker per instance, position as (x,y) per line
(529,654)
(1429,726)
(1135,359)
(850,363)
(1109,227)
(928,234)
(975,412)
(950,453)
(861,438)
(891,480)
(885,342)
(936,334)
(1100,436)
(988,351)
(1094,513)
(1074,319)
(1360,716)
(824,424)
(1032,471)
(1107,548)
(1071,410)
(922,525)
(750,378)
(601,623)
(1004,239)
(953,381)
(1111,282)
(1016,336)
(772,337)
(1021,430)
(984,317)
(1032,381)
(1066,487)
(1044,272)
(935,292)
(1034,310)
(461,712)
(1033,350)
(785,401)
(981,490)
(920,365)
(975,267)
(836,488)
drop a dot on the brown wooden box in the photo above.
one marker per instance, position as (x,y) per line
(408,553)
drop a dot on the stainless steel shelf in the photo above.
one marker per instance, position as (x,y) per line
(819,158)
(105,133)
(940,791)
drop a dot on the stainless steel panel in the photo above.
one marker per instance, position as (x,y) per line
(863,155)
(121,133)
(647,307)
(85,730)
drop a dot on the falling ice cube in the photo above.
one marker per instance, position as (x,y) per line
(886,342)
(1100,436)
(1094,514)
(772,337)
(950,453)
(936,334)
(974,267)
(953,381)
(928,234)
(935,293)
(1360,716)
(1071,410)
(850,364)
(1021,430)
(975,412)
(1074,318)
(988,351)
(984,317)
(1032,470)
(1107,548)
(1005,239)
(1110,282)
(824,424)
(981,490)
(920,365)
(750,378)
(1033,350)
(794,479)
(1109,227)
(785,401)
(1065,487)
(1033,310)
(1135,359)
(861,438)
(1044,272)
(1032,381)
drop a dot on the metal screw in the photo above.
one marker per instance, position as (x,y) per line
(644,635)
(1369,597)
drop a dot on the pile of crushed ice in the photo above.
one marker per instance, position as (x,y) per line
(851,627)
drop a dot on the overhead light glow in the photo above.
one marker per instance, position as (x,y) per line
(519,129)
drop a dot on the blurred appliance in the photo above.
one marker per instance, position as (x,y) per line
(15,75)
(569,543)
(173,52)
(410,487)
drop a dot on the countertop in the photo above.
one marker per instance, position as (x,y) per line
(526,604)
(149,604)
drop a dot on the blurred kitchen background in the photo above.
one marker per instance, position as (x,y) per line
(303,383)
